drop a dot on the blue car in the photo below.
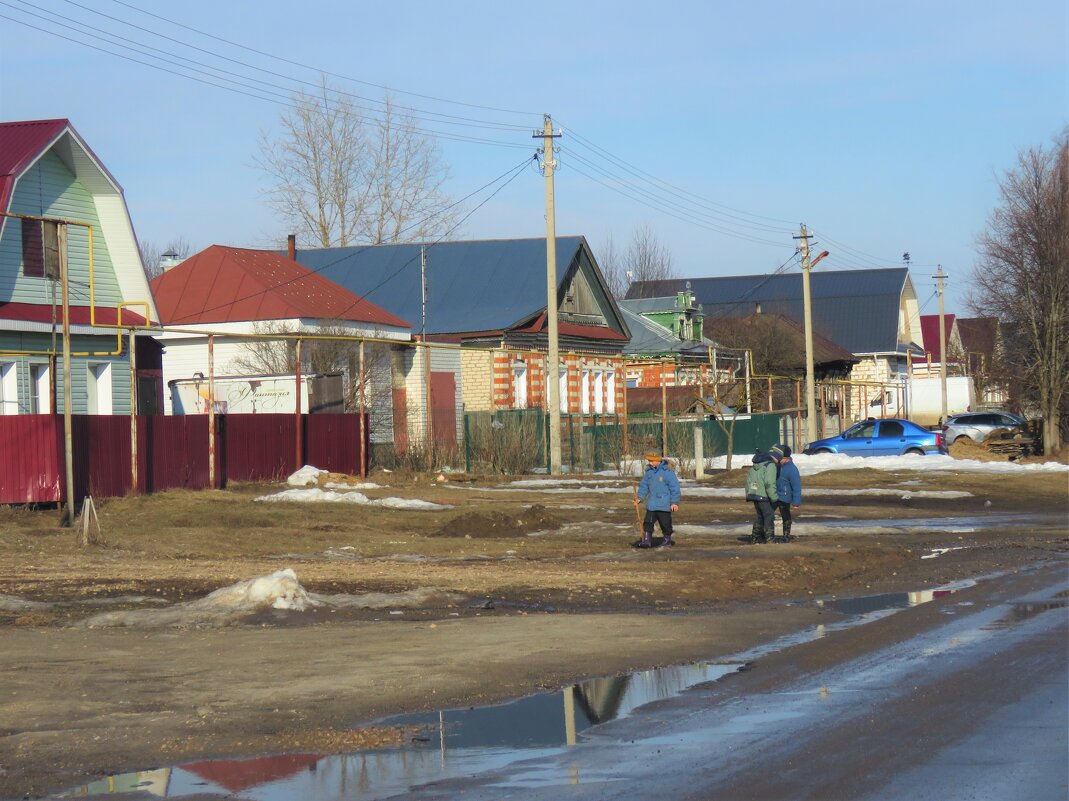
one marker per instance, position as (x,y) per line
(890,437)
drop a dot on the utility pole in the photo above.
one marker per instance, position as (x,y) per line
(68,439)
(810,379)
(939,276)
(553,356)
(427,417)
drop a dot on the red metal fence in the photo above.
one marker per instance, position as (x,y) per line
(172,452)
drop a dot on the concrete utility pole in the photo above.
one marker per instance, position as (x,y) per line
(553,356)
(939,276)
(810,378)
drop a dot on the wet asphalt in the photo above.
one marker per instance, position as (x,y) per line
(966,697)
(959,693)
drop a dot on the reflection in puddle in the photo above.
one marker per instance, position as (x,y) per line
(464,742)
(1023,611)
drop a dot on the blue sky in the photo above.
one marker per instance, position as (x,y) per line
(885,129)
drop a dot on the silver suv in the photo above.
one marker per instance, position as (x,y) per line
(978,426)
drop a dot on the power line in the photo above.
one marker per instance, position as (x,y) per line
(317,69)
(512,173)
(416,113)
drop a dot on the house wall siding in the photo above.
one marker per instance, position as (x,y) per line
(12,342)
(49,189)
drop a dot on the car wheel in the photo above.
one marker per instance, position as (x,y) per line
(824,450)
(965,437)
(917,451)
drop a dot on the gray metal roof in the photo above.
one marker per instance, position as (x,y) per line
(648,337)
(483,285)
(856,309)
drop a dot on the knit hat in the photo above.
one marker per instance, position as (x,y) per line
(780,451)
(653,456)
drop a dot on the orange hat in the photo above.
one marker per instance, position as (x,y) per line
(653,456)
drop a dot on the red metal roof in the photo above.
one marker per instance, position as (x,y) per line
(20,144)
(79,315)
(236,775)
(227,285)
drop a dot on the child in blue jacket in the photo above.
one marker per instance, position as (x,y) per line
(660,490)
(788,487)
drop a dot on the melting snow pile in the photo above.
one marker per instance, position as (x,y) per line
(316,495)
(307,476)
(280,590)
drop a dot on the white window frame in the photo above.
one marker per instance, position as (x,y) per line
(610,392)
(98,388)
(562,388)
(598,377)
(9,388)
(584,391)
(519,384)
(40,388)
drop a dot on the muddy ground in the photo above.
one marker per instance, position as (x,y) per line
(521,589)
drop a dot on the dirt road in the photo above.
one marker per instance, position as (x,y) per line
(511,589)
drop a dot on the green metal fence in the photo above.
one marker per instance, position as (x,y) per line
(514,441)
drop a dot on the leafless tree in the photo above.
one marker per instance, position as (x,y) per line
(343,174)
(152,255)
(612,268)
(275,353)
(1022,277)
(645,259)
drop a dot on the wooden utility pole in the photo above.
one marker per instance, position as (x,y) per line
(939,276)
(68,439)
(133,411)
(810,378)
(553,394)
(428,416)
(211,411)
(363,409)
(298,450)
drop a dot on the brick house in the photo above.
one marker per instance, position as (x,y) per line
(482,305)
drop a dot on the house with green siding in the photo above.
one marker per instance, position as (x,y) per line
(58,202)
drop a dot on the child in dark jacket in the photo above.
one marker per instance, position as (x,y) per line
(761,491)
(788,487)
(660,490)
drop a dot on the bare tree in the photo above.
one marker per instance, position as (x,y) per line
(275,353)
(343,174)
(612,269)
(645,259)
(152,255)
(1022,278)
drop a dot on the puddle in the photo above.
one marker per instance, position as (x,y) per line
(1023,611)
(463,742)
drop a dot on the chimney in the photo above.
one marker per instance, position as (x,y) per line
(291,246)
(169,259)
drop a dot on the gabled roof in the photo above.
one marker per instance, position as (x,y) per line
(930,334)
(21,144)
(784,328)
(651,338)
(223,284)
(978,334)
(856,309)
(475,286)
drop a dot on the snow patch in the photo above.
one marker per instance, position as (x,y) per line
(279,590)
(307,476)
(317,495)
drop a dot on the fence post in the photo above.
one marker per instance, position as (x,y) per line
(467,444)
(699,453)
